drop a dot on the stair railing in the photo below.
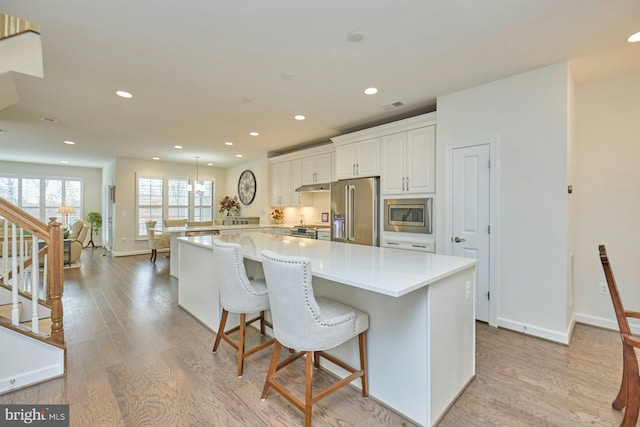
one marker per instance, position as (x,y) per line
(46,242)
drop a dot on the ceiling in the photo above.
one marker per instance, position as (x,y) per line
(206,72)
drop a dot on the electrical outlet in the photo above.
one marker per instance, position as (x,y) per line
(604,289)
(468,290)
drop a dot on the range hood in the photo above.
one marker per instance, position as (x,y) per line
(314,187)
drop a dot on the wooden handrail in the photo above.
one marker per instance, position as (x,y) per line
(52,235)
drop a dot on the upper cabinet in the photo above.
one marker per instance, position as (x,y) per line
(402,153)
(408,164)
(290,171)
(358,159)
(281,184)
(317,169)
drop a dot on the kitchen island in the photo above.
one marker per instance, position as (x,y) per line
(421,340)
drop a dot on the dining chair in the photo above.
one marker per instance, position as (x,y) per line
(628,397)
(155,242)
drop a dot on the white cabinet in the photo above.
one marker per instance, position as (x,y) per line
(281,184)
(408,161)
(296,181)
(316,169)
(358,159)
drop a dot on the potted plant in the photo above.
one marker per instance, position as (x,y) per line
(95,220)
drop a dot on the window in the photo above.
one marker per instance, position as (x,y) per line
(178,198)
(42,197)
(203,203)
(150,202)
(177,203)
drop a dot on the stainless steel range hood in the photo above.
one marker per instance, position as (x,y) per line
(314,187)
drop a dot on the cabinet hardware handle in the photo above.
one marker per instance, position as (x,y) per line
(419,246)
(353,169)
(407,183)
(393,243)
(358,168)
(402,183)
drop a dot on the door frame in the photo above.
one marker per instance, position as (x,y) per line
(494,150)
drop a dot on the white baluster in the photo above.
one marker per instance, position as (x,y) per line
(35,273)
(15,313)
(5,253)
(21,277)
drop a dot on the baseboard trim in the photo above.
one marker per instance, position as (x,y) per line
(604,323)
(142,252)
(547,334)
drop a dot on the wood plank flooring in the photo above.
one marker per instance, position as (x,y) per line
(136,359)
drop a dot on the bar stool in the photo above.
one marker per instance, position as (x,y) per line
(310,325)
(238,295)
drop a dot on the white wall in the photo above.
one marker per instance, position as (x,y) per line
(260,205)
(527,113)
(125,242)
(607,194)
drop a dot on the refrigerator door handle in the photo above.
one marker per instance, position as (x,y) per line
(350,207)
(347,232)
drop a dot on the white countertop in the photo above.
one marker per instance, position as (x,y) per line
(387,271)
(218,227)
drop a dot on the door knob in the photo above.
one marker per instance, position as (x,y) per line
(458,240)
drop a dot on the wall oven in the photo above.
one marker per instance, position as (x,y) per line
(409,215)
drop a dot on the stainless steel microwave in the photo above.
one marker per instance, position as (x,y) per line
(408,215)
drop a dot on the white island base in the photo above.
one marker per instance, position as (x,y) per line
(421,339)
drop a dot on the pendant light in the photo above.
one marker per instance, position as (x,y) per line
(199,186)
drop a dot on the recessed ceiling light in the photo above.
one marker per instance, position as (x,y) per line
(371,91)
(47,119)
(228,143)
(288,76)
(254,133)
(299,117)
(634,37)
(124,94)
(64,161)
(355,36)
(238,155)
(179,147)
(156,158)
(209,164)
(69,142)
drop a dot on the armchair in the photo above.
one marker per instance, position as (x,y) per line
(77,235)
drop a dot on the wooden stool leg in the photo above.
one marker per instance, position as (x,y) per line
(262,323)
(272,368)
(223,321)
(307,400)
(241,345)
(316,359)
(362,343)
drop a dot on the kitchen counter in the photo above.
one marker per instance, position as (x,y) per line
(175,232)
(421,339)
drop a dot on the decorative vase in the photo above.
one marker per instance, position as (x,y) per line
(279,221)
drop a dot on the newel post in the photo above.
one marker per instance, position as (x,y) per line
(56,287)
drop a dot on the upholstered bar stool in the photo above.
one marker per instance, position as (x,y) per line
(238,295)
(310,325)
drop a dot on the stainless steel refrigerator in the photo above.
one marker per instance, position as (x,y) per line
(354,211)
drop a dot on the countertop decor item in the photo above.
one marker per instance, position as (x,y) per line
(247,187)
(229,204)
(278,216)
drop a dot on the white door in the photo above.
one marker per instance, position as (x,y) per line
(470,222)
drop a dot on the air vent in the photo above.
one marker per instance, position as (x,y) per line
(394,105)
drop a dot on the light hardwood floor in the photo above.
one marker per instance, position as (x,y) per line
(136,359)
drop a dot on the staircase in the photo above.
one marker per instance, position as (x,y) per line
(32,347)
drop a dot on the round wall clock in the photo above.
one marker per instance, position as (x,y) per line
(247,187)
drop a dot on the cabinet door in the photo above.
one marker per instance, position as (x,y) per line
(345,161)
(393,175)
(281,184)
(324,164)
(368,160)
(316,169)
(421,149)
(296,181)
